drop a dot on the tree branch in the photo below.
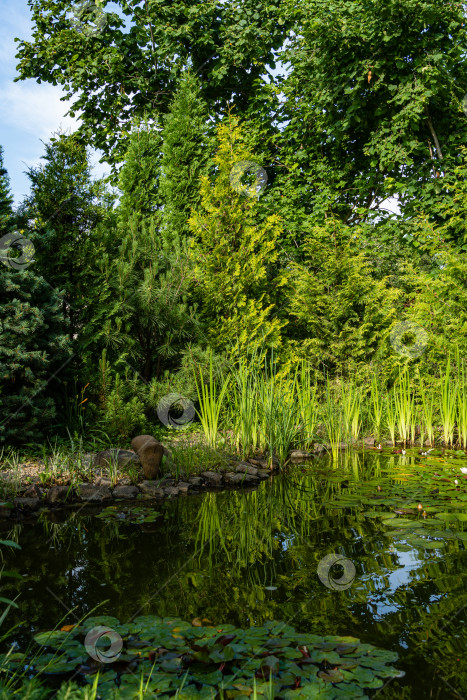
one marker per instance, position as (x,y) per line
(433,133)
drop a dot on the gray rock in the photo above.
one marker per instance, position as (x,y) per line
(263,474)
(245,468)
(340,446)
(262,463)
(369,441)
(195,481)
(213,478)
(301,454)
(27,503)
(171,491)
(59,494)
(94,494)
(240,479)
(318,448)
(163,483)
(125,492)
(183,484)
(32,492)
(124,457)
(103,481)
(150,488)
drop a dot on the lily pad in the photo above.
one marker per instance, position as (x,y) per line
(185,660)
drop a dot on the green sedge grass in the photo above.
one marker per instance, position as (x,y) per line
(210,404)
(448,404)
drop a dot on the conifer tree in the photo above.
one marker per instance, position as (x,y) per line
(66,207)
(139,179)
(6,200)
(149,319)
(33,345)
(235,253)
(184,157)
(340,316)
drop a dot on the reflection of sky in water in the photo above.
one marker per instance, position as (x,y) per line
(382,603)
(288,542)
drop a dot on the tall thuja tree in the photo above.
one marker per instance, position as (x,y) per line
(65,205)
(33,343)
(340,316)
(235,253)
(184,157)
(152,319)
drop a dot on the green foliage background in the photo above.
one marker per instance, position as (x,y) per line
(343,104)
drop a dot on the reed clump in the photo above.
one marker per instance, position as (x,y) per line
(268,412)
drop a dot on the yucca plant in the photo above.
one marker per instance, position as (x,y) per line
(448,404)
(210,403)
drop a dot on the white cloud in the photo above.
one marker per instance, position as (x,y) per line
(35,109)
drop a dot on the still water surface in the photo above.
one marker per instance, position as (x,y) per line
(247,557)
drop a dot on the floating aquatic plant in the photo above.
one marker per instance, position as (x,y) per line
(175,658)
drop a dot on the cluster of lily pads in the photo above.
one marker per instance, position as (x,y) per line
(128,514)
(424,504)
(168,657)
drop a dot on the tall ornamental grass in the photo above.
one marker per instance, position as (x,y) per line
(448,404)
(210,404)
(404,403)
(462,407)
(307,400)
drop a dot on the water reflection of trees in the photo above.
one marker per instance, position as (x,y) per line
(248,557)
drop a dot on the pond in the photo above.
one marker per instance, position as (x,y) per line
(248,557)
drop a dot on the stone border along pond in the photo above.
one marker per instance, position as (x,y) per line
(35,496)
(147,453)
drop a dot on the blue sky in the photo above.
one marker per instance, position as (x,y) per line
(29,112)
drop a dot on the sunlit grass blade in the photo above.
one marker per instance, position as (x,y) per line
(448,405)
(210,403)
